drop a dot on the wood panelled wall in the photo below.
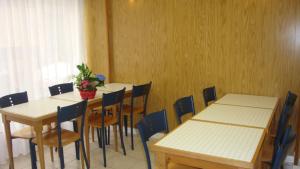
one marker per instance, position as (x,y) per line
(96,36)
(183,46)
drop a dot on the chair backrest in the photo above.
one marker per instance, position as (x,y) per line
(281,127)
(138,91)
(182,106)
(281,151)
(290,102)
(61,88)
(152,124)
(112,99)
(285,115)
(209,94)
(69,113)
(13,99)
(290,99)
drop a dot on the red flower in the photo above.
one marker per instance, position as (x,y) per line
(85,83)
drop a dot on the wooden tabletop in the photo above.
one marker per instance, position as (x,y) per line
(249,101)
(107,88)
(226,144)
(36,109)
(112,87)
(236,115)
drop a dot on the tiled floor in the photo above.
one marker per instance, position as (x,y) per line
(115,160)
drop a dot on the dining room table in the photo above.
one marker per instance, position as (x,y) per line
(42,112)
(228,134)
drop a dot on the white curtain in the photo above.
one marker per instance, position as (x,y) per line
(41,42)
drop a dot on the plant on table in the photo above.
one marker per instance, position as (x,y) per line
(87,82)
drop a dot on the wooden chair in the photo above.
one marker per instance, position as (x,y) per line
(150,125)
(281,151)
(61,89)
(60,137)
(15,99)
(133,110)
(209,94)
(184,106)
(285,115)
(112,101)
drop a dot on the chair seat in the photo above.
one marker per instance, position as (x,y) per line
(96,121)
(136,110)
(25,133)
(50,138)
(179,166)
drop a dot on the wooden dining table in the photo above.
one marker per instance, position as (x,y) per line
(210,146)
(39,113)
(238,115)
(228,134)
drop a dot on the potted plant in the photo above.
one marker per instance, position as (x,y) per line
(87,82)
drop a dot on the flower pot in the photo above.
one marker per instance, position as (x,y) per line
(87,94)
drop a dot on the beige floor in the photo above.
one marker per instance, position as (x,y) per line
(115,160)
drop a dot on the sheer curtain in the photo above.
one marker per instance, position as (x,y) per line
(41,42)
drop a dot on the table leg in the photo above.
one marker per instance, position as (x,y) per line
(39,129)
(161,161)
(86,135)
(8,141)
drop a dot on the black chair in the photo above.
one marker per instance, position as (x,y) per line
(113,101)
(133,110)
(61,89)
(209,94)
(150,125)
(282,150)
(285,116)
(61,137)
(184,106)
(26,132)
(13,99)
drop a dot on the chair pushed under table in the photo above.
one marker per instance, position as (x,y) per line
(113,101)
(61,89)
(15,99)
(150,125)
(60,137)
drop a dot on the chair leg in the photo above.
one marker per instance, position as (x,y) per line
(99,135)
(32,154)
(81,156)
(106,139)
(131,131)
(75,127)
(93,134)
(126,125)
(121,137)
(61,157)
(51,154)
(147,155)
(108,135)
(84,153)
(103,146)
